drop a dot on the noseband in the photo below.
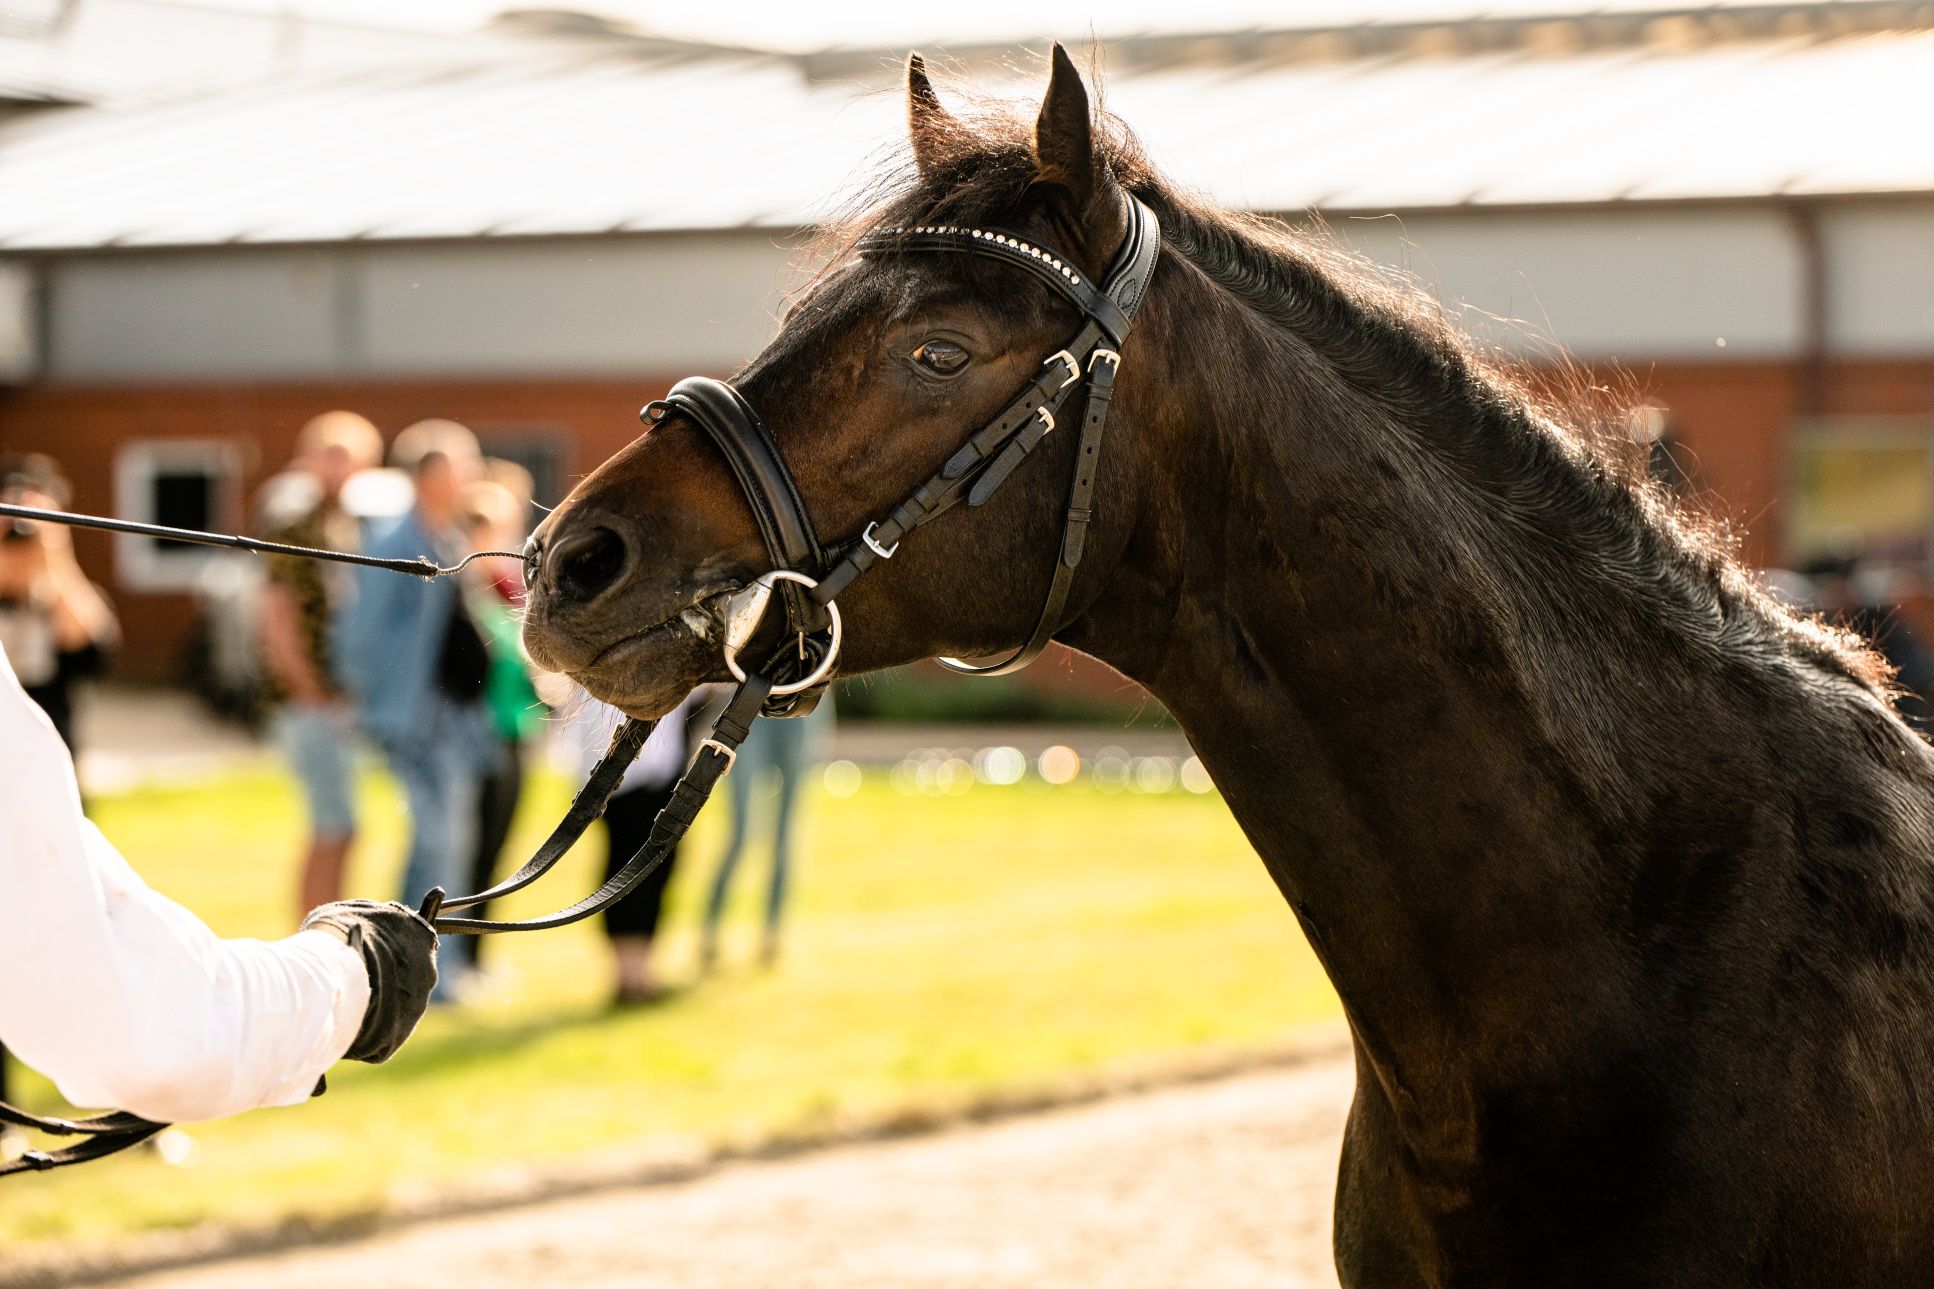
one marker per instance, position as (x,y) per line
(806,578)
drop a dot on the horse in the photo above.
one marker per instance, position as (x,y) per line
(1619,867)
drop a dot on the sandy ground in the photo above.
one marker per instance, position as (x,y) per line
(1226,1183)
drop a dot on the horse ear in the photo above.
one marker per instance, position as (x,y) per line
(1064,139)
(927,121)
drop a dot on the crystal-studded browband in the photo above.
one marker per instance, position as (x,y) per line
(998,244)
(878,238)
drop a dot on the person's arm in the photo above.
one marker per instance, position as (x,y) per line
(125,998)
(283,648)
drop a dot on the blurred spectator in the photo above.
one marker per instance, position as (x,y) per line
(417,665)
(782,752)
(301,601)
(55,626)
(495,519)
(631,924)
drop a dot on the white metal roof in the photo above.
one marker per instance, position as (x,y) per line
(532,132)
(142,51)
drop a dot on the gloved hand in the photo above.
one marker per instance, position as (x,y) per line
(399,950)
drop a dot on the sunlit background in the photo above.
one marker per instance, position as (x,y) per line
(219,220)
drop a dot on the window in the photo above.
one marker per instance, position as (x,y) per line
(183,484)
(1863,488)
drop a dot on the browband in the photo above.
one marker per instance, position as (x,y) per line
(1064,279)
(1112,305)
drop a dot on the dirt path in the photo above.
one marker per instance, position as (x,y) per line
(1225,1183)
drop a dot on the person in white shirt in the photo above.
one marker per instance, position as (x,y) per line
(126,999)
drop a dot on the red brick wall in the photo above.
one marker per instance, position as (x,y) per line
(1732,419)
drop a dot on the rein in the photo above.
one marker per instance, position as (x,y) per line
(426,569)
(804,578)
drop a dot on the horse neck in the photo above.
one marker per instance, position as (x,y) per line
(1452,700)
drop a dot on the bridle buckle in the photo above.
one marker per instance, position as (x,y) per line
(884,552)
(1114,359)
(731,754)
(1074,367)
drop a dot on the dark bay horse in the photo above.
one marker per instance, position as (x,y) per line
(1621,869)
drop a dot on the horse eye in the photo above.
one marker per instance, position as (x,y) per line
(941,357)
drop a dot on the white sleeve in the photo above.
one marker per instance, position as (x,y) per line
(121,996)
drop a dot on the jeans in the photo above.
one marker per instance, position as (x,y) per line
(439,766)
(320,743)
(783,751)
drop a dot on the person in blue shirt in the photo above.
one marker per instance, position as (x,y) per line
(416,664)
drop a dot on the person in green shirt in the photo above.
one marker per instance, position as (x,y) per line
(496,519)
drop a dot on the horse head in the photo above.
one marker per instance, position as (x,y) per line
(877,377)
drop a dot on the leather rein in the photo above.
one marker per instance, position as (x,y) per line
(804,577)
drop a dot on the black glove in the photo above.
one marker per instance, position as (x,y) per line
(399,950)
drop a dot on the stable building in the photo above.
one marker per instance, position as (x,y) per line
(537,227)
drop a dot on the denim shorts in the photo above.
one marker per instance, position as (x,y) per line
(320,743)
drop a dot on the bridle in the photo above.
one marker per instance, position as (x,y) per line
(805,578)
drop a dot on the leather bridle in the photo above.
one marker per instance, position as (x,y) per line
(807,580)
(804,577)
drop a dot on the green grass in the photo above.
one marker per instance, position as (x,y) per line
(940,949)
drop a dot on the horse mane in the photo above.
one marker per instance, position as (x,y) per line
(1561,437)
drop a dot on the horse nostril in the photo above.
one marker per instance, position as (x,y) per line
(587,563)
